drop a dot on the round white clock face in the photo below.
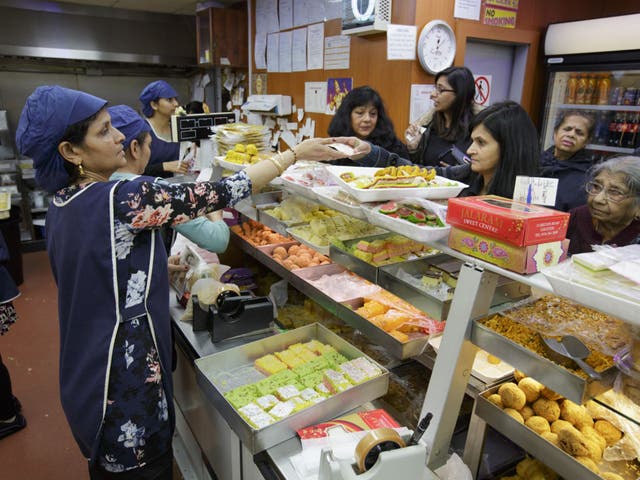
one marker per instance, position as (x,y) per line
(436,46)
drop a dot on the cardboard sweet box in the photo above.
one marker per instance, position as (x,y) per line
(526,259)
(516,223)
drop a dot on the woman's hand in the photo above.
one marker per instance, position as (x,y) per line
(175,167)
(173,263)
(318,148)
(413,135)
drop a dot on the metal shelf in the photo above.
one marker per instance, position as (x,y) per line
(606,108)
(607,148)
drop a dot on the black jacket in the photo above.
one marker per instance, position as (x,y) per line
(571,175)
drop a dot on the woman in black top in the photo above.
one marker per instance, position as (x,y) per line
(362,114)
(447,125)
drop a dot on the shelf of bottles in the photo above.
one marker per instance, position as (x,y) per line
(612,98)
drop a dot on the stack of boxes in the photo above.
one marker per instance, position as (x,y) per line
(516,236)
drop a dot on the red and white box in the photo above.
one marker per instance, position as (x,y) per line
(516,223)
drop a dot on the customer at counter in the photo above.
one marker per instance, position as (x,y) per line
(446,127)
(159,101)
(612,213)
(504,145)
(113,288)
(567,160)
(362,114)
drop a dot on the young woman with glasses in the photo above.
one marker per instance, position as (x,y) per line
(612,213)
(447,124)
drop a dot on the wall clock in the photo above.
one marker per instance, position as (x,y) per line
(436,46)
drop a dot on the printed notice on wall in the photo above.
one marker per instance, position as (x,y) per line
(469,9)
(315,46)
(315,97)
(336,52)
(273,51)
(299,50)
(284,51)
(498,16)
(421,101)
(401,42)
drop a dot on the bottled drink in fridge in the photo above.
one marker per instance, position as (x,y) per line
(570,92)
(601,129)
(616,96)
(604,89)
(589,94)
(629,96)
(630,131)
(613,130)
(581,89)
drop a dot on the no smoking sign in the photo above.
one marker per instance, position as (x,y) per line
(483,89)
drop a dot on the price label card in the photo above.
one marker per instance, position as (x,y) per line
(536,190)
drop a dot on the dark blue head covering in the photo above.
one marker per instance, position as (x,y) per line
(154,91)
(46,115)
(127,120)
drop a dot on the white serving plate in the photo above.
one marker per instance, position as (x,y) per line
(326,196)
(382,194)
(482,369)
(408,229)
(234,167)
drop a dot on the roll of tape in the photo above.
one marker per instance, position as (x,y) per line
(373,444)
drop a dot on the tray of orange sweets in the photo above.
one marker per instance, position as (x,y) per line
(270,388)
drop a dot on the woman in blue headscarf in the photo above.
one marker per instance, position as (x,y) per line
(111,272)
(159,101)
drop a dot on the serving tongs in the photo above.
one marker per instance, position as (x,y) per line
(567,350)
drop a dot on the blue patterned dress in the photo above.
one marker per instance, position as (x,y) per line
(111,271)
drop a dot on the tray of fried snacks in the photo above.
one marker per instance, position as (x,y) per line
(392,322)
(575,441)
(522,346)
(368,184)
(268,389)
(556,316)
(258,234)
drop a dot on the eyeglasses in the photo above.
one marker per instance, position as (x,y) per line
(440,90)
(613,194)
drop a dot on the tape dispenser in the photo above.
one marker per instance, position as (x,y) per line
(380,454)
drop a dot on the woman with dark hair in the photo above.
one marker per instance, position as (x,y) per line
(504,145)
(567,160)
(362,114)
(612,213)
(113,287)
(445,137)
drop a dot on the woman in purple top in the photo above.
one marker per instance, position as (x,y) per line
(612,213)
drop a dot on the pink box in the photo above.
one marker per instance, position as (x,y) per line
(527,259)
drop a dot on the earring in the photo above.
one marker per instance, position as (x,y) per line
(80,170)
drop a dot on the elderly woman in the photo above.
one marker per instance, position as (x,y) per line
(567,160)
(112,278)
(159,101)
(612,213)
(362,114)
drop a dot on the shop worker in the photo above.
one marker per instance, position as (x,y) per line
(159,101)
(567,160)
(207,234)
(612,213)
(113,287)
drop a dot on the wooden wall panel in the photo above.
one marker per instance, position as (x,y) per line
(393,79)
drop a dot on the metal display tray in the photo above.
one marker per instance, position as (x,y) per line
(571,386)
(564,464)
(217,365)
(274,223)
(344,311)
(355,264)
(507,290)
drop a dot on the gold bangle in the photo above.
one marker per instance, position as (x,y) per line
(276,164)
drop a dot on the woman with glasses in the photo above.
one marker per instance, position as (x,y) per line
(567,160)
(362,114)
(445,128)
(612,213)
